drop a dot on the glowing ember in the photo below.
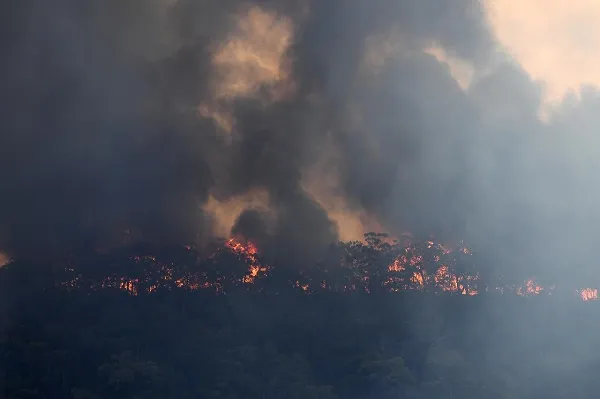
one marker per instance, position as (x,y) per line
(445,280)
(589,294)
(249,253)
(441,280)
(304,287)
(236,246)
(130,286)
(530,288)
(396,266)
(413,268)
(418,279)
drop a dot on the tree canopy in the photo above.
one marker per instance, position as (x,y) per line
(373,319)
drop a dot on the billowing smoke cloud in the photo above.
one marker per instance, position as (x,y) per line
(295,122)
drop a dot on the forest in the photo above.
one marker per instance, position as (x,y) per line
(373,319)
(134,133)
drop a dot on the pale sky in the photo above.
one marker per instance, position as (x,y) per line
(555,41)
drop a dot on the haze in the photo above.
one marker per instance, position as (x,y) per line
(173,121)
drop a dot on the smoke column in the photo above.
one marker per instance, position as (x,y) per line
(297,123)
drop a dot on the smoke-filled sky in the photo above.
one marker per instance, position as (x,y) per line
(298,123)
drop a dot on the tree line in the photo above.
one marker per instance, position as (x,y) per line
(151,322)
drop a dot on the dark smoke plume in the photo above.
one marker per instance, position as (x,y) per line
(125,118)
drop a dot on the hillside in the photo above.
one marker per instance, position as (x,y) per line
(278,339)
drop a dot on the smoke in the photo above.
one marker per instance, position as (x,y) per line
(297,123)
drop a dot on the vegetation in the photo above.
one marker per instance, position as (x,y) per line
(373,320)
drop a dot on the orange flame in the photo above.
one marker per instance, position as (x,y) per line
(446,280)
(530,288)
(130,286)
(418,279)
(249,253)
(396,266)
(441,280)
(409,264)
(304,287)
(589,294)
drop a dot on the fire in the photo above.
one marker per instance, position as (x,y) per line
(442,280)
(530,288)
(249,253)
(418,279)
(414,268)
(445,280)
(130,286)
(237,247)
(589,294)
(396,266)
(304,287)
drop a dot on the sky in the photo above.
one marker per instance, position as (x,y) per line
(555,41)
